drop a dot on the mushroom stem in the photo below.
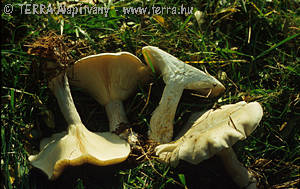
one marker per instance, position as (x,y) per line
(116,114)
(240,175)
(161,123)
(78,145)
(60,88)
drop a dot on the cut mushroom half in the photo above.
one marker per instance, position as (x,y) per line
(110,78)
(177,76)
(78,145)
(213,133)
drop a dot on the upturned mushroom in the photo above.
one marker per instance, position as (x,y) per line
(177,76)
(214,133)
(110,78)
(78,145)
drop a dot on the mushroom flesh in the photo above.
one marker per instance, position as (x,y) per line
(177,76)
(78,145)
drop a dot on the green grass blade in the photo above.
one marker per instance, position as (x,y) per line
(229,51)
(149,62)
(185,22)
(182,179)
(12,100)
(276,45)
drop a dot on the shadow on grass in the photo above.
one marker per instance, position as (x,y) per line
(84,176)
(209,174)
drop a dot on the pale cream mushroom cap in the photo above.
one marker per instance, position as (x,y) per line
(77,148)
(108,76)
(173,69)
(214,131)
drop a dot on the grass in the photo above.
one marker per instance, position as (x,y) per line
(252,47)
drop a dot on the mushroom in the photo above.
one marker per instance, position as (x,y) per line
(213,133)
(177,76)
(78,145)
(110,78)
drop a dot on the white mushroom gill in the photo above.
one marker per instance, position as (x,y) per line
(78,145)
(177,76)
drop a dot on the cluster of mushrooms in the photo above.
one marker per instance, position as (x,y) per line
(116,76)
